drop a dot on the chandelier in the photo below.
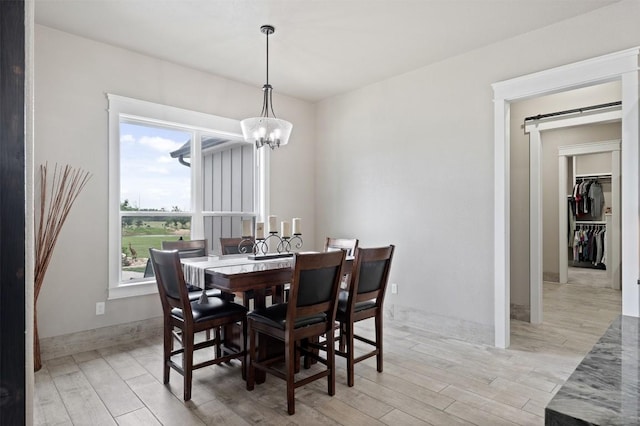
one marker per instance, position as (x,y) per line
(266,130)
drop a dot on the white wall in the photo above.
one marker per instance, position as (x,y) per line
(72,75)
(410,161)
(407,161)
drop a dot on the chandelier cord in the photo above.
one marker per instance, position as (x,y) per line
(267,58)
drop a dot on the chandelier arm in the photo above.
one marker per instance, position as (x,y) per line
(265,103)
(271,103)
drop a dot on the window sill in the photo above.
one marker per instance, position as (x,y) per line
(132,290)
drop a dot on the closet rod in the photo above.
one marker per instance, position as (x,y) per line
(572,111)
(590,222)
(603,176)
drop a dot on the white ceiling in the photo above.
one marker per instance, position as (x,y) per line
(320,47)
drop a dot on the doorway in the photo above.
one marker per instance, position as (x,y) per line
(620,66)
(536,129)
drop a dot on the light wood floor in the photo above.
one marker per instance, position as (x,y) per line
(427,379)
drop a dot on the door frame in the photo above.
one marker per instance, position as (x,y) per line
(535,130)
(619,66)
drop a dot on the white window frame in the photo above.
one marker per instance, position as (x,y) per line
(196,122)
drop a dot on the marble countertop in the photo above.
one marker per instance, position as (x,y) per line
(603,389)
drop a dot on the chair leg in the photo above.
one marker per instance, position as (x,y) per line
(187,363)
(331,363)
(243,360)
(251,370)
(342,337)
(378,321)
(217,335)
(350,353)
(167,346)
(307,359)
(290,360)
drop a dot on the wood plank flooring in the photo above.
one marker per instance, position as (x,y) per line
(428,379)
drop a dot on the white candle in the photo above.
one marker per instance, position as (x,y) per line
(246,228)
(297,230)
(273,224)
(285,229)
(260,230)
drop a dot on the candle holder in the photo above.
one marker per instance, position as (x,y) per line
(246,245)
(260,249)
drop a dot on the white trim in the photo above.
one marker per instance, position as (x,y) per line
(197,201)
(590,148)
(630,202)
(574,151)
(563,226)
(585,73)
(197,123)
(535,129)
(535,227)
(502,255)
(620,65)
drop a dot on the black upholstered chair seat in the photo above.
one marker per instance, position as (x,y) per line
(215,308)
(343,297)
(276,316)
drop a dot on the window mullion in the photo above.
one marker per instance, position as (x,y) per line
(197,221)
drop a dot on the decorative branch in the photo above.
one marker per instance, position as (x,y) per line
(66,185)
(56,200)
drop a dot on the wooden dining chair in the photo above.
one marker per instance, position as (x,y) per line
(236,245)
(309,314)
(348,244)
(190,317)
(362,300)
(188,249)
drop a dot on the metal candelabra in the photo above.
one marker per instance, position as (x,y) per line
(259,249)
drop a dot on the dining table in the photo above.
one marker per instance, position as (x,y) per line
(249,277)
(240,274)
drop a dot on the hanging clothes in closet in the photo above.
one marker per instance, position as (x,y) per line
(588,239)
(587,199)
(590,245)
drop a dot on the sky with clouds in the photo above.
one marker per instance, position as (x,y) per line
(149,177)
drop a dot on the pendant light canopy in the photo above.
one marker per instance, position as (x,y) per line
(266,130)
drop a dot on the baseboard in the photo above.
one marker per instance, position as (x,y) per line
(450,327)
(88,340)
(520,312)
(552,277)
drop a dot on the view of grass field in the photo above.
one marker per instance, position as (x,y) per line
(145,235)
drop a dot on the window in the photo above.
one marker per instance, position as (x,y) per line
(174,174)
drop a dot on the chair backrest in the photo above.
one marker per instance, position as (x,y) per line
(235,245)
(370,275)
(314,285)
(148,269)
(347,244)
(170,281)
(187,248)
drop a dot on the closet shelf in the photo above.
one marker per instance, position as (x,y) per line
(593,176)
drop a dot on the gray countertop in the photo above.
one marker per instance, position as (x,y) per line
(603,389)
